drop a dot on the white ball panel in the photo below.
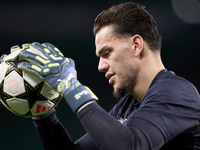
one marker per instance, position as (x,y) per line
(14,84)
(20,106)
(31,78)
(3,67)
(48,92)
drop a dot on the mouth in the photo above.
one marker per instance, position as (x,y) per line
(110,76)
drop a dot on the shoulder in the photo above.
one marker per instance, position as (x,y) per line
(170,101)
(171,86)
(171,92)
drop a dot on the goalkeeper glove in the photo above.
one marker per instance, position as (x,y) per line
(14,48)
(59,72)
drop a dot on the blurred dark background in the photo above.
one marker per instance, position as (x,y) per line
(68,24)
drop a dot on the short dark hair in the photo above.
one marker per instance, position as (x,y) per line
(129,19)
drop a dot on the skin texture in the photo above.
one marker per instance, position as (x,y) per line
(127,61)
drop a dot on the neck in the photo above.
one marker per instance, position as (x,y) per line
(145,77)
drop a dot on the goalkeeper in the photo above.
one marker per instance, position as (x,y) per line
(157,109)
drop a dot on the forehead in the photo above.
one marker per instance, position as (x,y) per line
(104,38)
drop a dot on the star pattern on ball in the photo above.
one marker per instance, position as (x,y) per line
(32,94)
(13,63)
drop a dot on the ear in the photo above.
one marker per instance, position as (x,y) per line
(138,44)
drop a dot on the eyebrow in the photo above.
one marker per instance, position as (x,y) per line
(103,49)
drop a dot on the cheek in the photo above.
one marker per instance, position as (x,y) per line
(127,71)
(122,63)
(123,71)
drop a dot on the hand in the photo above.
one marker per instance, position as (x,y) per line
(59,72)
(14,48)
(48,62)
(3,57)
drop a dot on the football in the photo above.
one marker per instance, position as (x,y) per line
(23,92)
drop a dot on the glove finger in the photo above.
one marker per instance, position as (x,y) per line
(14,48)
(54,50)
(30,67)
(33,58)
(3,57)
(41,48)
(30,48)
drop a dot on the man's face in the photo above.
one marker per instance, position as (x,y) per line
(117,60)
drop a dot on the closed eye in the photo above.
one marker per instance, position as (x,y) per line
(106,54)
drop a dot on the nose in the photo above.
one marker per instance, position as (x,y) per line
(103,65)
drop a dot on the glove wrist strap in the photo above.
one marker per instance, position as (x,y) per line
(78,97)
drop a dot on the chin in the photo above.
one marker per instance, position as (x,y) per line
(119,92)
